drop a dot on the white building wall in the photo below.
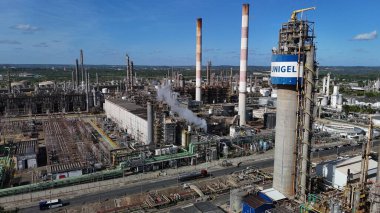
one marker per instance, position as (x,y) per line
(135,126)
(340,179)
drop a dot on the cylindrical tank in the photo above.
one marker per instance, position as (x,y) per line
(225,150)
(340,99)
(336,90)
(324,101)
(333,100)
(104,90)
(284,160)
(269,120)
(184,140)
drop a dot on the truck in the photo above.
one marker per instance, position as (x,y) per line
(193,175)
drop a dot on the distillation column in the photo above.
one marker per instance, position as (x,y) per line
(243,64)
(198,62)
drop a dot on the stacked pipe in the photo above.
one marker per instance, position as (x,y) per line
(198,62)
(243,64)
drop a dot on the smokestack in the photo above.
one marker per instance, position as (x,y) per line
(72,79)
(208,70)
(324,85)
(77,72)
(9,82)
(127,78)
(198,61)
(328,84)
(243,63)
(81,64)
(150,123)
(131,75)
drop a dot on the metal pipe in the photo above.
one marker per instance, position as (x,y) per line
(198,61)
(150,123)
(243,64)
(309,87)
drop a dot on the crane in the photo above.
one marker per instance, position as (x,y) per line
(294,13)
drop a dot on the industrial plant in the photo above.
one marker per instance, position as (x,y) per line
(290,138)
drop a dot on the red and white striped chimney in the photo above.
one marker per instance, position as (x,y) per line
(243,64)
(198,61)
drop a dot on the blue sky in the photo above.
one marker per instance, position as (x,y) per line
(162,32)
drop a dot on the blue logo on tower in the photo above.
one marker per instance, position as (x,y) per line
(284,70)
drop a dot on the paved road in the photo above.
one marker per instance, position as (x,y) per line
(158,184)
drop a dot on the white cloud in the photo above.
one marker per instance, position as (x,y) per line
(25,27)
(366,36)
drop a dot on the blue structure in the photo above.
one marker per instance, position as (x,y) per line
(256,204)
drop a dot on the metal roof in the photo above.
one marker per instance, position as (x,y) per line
(273,194)
(130,107)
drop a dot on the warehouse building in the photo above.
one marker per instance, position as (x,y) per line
(336,172)
(129,116)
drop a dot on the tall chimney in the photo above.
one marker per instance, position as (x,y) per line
(132,74)
(127,77)
(198,61)
(208,71)
(328,84)
(243,63)
(77,72)
(81,66)
(150,124)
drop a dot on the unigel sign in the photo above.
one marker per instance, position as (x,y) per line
(284,70)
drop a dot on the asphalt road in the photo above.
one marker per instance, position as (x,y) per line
(158,184)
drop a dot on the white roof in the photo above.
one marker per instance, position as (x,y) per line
(355,168)
(273,194)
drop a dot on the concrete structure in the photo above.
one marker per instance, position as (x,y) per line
(328,84)
(150,123)
(335,171)
(128,116)
(243,63)
(293,74)
(198,62)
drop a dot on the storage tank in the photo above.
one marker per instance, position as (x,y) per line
(225,150)
(340,99)
(270,120)
(324,101)
(184,139)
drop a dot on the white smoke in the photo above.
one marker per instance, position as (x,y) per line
(165,94)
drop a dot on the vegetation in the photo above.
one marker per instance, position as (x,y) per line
(358,109)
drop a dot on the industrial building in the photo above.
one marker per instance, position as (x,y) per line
(337,173)
(59,134)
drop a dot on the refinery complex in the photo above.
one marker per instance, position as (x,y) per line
(286,139)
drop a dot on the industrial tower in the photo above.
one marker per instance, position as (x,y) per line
(293,71)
